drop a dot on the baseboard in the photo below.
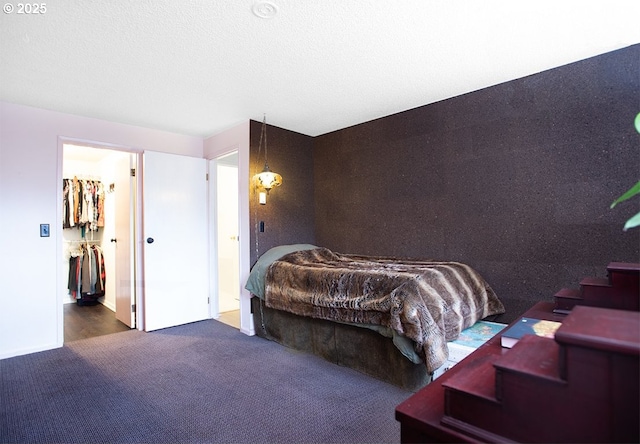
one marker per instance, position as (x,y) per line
(27,351)
(247,332)
(110,305)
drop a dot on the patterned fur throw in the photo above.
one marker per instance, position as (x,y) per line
(429,302)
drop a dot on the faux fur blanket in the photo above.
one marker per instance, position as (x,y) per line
(429,302)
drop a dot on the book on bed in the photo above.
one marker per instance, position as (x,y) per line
(474,336)
(469,340)
(528,326)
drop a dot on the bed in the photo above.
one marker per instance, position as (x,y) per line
(388,317)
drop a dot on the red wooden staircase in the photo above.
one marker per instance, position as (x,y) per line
(582,386)
(619,290)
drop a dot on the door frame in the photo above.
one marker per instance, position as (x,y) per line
(235,139)
(214,284)
(212,223)
(60,293)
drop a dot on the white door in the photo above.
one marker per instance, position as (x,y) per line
(124,193)
(228,238)
(175,240)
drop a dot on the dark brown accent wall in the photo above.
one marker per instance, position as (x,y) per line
(515,180)
(288,215)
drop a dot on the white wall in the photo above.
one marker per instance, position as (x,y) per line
(30,192)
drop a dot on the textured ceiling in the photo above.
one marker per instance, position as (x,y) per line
(200,67)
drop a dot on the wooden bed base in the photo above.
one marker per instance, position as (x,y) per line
(358,348)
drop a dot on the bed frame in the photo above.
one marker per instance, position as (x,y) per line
(341,344)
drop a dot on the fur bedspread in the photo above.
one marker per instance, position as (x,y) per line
(427,301)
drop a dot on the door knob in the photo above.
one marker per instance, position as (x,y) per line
(114,240)
(149,240)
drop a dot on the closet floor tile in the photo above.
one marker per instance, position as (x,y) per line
(82,322)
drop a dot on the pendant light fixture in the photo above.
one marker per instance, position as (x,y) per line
(266,179)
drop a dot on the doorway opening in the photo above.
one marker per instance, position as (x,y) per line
(98,237)
(227,233)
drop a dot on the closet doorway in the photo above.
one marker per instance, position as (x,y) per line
(103,180)
(227,238)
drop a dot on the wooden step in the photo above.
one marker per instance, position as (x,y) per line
(566,299)
(569,293)
(620,290)
(596,291)
(532,357)
(525,379)
(605,329)
(624,268)
(626,278)
(600,339)
(595,282)
(601,344)
(483,371)
(532,393)
(477,434)
(469,396)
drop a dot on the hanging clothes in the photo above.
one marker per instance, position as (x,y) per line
(77,194)
(74,272)
(68,203)
(87,276)
(100,273)
(82,204)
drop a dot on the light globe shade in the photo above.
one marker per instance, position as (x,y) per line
(267,179)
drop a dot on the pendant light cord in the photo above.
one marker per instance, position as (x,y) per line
(263,133)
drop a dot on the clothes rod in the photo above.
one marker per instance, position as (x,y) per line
(85,177)
(83,241)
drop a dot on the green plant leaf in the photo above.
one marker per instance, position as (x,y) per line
(630,193)
(633,222)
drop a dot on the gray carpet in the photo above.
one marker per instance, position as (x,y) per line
(201,382)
